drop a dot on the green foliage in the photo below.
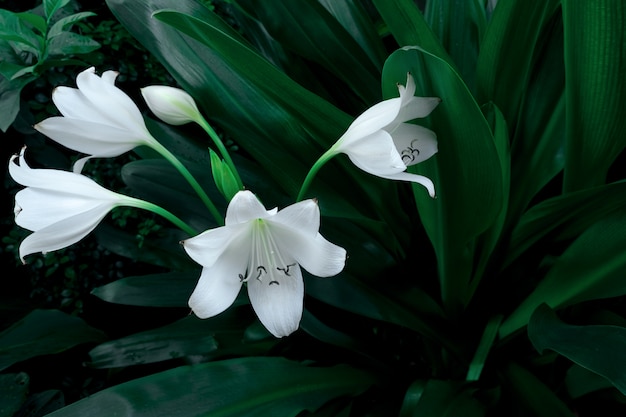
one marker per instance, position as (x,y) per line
(447,306)
(30,44)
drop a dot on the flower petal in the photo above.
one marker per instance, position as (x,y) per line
(114,104)
(314,253)
(376,154)
(89,137)
(414,143)
(373,119)
(63,233)
(218,285)
(207,247)
(303,216)
(243,207)
(40,208)
(417,108)
(278,305)
(419,179)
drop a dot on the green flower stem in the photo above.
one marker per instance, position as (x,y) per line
(192,181)
(220,147)
(146,205)
(328,155)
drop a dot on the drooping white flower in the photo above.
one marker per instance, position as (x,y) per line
(99,119)
(60,207)
(264,249)
(170,104)
(380,141)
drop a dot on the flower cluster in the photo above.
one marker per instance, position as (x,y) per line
(259,248)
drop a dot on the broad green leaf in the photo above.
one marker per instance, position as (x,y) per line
(253,386)
(14,389)
(69,43)
(466,171)
(483,348)
(309,30)
(460,26)
(162,250)
(184,337)
(441,398)
(592,267)
(565,216)
(66,23)
(353,16)
(35,20)
(10,100)
(44,332)
(598,348)
(595,64)
(508,51)
(50,7)
(539,136)
(581,381)
(408,26)
(170,289)
(530,395)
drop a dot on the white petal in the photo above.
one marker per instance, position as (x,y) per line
(314,253)
(243,207)
(417,108)
(63,233)
(376,154)
(207,247)
(372,120)
(218,285)
(278,305)
(114,104)
(414,143)
(90,137)
(41,208)
(172,105)
(419,179)
(407,91)
(303,216)
(57,180)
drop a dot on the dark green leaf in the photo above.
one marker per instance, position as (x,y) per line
(530,396)
(254,386)
(599,348)
(43,332)
(440,398)
(50,7)
(171,289)
(592,267)
(66,23)
(466,171)
(69,43)
(186,337)
(595,64)
(14,389)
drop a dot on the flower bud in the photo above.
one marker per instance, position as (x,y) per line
(172,105)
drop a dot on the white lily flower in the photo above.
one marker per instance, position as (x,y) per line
(170,104)
(381,143)
(60,207)
(264,249)
(99,119)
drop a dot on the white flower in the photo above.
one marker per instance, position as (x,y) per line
(99,119)
(380,141)
(172,105)
(264,249)
(60,207)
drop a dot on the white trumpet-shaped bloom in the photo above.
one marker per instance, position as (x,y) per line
(381,143)
(60,207)
(99,119)
(265,249)
(170,104)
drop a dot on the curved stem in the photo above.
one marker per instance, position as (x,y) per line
(221,148)
(146,205)
(327,156)
(192,181)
